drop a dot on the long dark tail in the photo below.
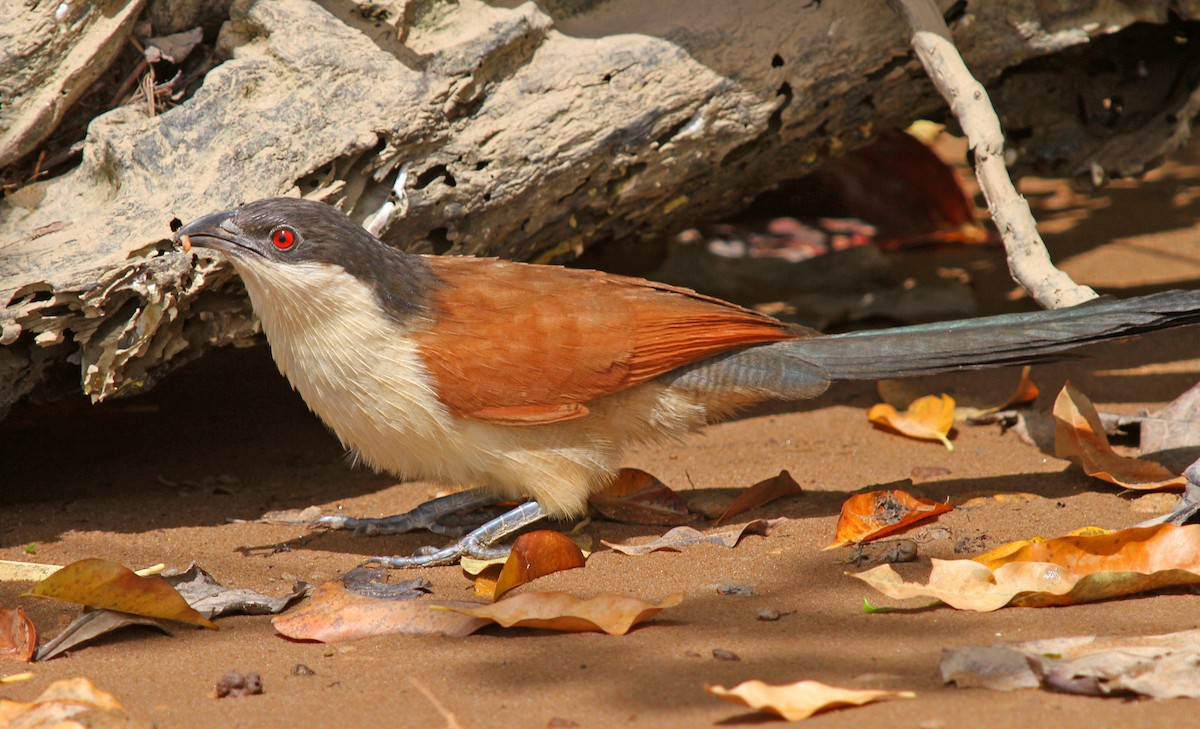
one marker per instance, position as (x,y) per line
(993,341)
(803,368)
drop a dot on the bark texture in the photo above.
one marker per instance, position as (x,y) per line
(531,132)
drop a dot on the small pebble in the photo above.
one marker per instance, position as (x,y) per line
(237,684)
(302,670)
(723,655)
(739,590)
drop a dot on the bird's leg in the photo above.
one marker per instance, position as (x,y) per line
(475,544)
(426,516)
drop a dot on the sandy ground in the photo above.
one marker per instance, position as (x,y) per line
(154,479)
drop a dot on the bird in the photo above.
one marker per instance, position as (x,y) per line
(528,380)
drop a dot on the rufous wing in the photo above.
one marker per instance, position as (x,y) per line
(522,344)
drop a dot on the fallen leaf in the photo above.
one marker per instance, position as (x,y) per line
(334,614)
(800,700)
(17,677)
(212,599)
(1173,432)
(763,492)
(1011,552)
(18,636)
(1158,666)
(612,614)
(535,555)
(927,418)
(685,536)
(102,584)
(969,406)
(878,513)
(373,582)
(1079,437)
(91,625)
(636,497)
(62,702)
(1063,571)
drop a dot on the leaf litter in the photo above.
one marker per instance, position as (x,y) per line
(876,514)
(1156,666)
(1064,571)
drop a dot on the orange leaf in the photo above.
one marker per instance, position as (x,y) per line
(636,497)
(1063,571)
(928,418)
(1079,437)
(763,492)
(334,614)
(800,700)
(872,515)
(612,614)
(18,637)
(535,555)
(100,583)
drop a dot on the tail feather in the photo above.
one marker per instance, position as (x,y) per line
(993,341)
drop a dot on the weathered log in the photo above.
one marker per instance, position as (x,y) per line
(531,132)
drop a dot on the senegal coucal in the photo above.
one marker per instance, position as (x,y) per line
(530,380)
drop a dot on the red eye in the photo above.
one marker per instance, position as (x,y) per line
(283,237)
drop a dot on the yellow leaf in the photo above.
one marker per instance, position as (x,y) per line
(927,418)
(800,700)
(100,583)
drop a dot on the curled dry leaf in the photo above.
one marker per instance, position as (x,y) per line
(637,497)
(1079,437)
(685,536)
(1068,571)
(212,599)
(100,583)
(90,625)
(927,418)
(1158,666)
(64,700)
(535,555)
(878,513)
(612,614)
(18,637)
(334,614)
(800,700)
(1012,552)
(763,492)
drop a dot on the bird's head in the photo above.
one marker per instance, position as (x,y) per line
(293,242)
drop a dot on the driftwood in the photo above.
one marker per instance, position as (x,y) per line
(530,132)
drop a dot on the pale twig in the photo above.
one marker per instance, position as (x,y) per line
(451,720)
(396,205)
(1028,261)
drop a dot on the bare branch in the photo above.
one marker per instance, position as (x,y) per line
(1028,260)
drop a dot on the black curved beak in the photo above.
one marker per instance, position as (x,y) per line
(215,231)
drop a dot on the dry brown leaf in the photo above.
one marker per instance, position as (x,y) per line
(100,583)
(685,536)
(18,636)
(58,706)
(879,513)
(1079,437)
(800,700)
(612,614)
(637,497)
(1067,571)
(763,492)
(534,555)
(1159,666)
(334,614)
(927,418)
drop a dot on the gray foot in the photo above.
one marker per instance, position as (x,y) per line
(476,544)
(426,516)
